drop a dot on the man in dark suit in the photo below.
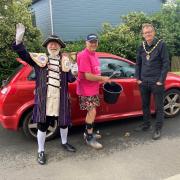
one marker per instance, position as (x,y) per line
(152,66)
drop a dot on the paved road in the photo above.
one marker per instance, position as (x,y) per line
(127,155)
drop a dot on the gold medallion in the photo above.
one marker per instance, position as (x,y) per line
(147,56)
(149,52)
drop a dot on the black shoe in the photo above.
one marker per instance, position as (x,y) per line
(143,127)
(69,147)
(41,158)
(156,134)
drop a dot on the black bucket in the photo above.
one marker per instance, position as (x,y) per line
(111,92)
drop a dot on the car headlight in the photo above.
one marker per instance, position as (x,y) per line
(4,90)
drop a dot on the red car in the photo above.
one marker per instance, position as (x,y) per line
(17,97)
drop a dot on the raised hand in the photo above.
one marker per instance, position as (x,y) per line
(20,30)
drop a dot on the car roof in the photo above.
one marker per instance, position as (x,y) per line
(109,55)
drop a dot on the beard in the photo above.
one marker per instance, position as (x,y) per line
(54,52)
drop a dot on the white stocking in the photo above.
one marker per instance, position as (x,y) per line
(64,133)
(41,137)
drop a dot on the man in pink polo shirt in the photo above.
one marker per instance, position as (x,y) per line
(89,78)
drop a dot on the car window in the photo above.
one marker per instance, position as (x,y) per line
(123,69)
(32,75)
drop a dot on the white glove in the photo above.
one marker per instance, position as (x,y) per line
(20,30)
(74,69)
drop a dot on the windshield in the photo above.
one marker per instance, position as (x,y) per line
(14,72)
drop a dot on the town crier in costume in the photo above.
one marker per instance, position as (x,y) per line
(51,91)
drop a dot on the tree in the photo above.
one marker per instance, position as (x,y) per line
(125,38)
(11,13)
(168,25)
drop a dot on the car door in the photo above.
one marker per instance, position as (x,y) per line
(129,101)
(78,116)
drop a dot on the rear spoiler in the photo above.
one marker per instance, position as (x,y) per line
(21,61)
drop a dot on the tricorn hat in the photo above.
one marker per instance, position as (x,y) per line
(54,38)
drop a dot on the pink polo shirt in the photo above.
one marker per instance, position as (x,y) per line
(88,62)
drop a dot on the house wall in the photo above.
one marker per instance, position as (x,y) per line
(74,19)
(42,15)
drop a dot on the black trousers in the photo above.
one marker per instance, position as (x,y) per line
(49,121)
(147,89)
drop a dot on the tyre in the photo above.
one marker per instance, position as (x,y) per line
(172,103)
(30,128)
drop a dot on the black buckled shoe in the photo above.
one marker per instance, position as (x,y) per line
(143,127)
(156,134)
(69,147)
(41,158)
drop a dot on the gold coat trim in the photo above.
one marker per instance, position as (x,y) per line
(40,59)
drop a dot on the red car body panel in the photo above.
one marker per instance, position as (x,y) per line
(19,98)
